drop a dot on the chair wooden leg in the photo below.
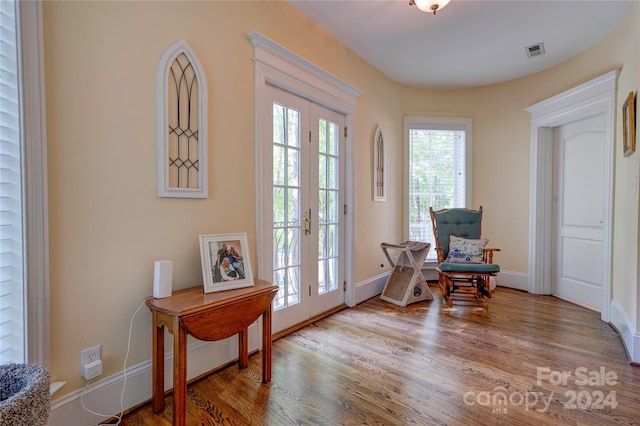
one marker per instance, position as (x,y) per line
(486,291)
(442,285)
(477,287)
(446,286)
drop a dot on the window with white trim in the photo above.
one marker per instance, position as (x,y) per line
(437,172)
(24,333)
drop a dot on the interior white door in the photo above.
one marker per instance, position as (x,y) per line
(578,212)
(304,168)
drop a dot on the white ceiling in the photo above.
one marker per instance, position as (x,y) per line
(469,43)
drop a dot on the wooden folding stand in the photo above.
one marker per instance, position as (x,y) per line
(406,284)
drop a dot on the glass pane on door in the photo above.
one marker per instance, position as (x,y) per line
(286,205)
(328,200)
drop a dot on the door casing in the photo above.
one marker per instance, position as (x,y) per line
(278,66)
(594,97)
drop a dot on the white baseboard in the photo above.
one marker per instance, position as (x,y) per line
(630,337)
(515,280)
(371,287)
(103,396)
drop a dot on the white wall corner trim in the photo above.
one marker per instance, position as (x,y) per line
(595,97)
(624,326)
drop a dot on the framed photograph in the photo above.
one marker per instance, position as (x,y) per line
(629,125)
(225,262)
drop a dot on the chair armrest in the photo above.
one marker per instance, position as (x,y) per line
(488,254)
(440,253)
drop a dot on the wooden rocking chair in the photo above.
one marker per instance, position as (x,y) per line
(465,266)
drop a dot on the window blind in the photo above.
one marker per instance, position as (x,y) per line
(437,176)
(12,288)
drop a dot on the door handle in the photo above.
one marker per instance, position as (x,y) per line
(307,222)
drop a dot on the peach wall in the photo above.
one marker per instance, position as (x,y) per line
(501,145)
(106,224)
(626,238)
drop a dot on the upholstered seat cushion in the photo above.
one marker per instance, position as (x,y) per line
(469,268)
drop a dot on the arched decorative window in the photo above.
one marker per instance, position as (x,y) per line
(182,124)
(379,166)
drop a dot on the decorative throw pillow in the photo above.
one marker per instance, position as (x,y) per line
(462,250)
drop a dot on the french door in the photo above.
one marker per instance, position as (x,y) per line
(303,162)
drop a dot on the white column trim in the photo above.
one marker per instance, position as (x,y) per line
(36,198)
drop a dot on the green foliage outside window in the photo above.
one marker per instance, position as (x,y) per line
(436,176)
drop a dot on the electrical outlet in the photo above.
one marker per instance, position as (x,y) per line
(89,355)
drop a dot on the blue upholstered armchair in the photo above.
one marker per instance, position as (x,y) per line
(465,264)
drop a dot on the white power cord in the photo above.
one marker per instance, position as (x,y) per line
(124,369)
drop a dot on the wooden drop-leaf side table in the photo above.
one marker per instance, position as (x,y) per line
(207,316)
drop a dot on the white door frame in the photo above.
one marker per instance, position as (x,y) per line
(594,97)
(280,67)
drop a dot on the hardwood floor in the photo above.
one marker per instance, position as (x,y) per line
(427,364)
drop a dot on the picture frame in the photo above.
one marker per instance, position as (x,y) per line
(629,125)
(226,263)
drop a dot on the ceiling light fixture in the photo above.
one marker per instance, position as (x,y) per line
(429,5)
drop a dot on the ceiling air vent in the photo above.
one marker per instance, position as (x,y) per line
(535,50)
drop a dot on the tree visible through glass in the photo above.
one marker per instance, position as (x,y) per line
(436,177)
(286,205)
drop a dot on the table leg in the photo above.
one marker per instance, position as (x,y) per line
(179,373)
(243,348)
(266,345)
(158,366)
